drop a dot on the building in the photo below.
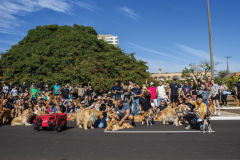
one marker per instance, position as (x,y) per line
(170,76)
(110,39)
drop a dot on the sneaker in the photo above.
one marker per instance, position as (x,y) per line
(215,113)
(188,127)
(219,114)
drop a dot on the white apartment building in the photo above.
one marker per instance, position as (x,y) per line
(110,39)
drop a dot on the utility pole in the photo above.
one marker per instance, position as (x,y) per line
(210,41)
(227,63)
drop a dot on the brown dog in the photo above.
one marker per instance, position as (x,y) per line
(211,108)
(85,118)
(22,119)
(174,115)
(139,118)
(159,117)
(5,116)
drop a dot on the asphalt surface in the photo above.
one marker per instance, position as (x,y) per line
(22,143)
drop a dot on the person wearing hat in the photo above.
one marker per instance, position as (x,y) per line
(173,92)
(110,95)
(194,118)
(51,109)
(153,91)
(117,90)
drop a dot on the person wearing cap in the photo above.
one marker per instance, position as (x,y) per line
(33,92)
(84,104)
(173,92)
(110,95)
(46,90)
(51,109)
(56,90)
(117,90)
(201,107)
(153,91)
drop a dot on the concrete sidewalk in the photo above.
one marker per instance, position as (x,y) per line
(228,113)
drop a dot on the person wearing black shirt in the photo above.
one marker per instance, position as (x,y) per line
(194,87)
(90,91)
(173,93)
(109,102)
(126,95)
(65,92)
(191,106)
(144,101)
(162,105)
(237,89)
(23,87)
(8,106)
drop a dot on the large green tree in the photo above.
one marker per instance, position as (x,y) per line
(69,54)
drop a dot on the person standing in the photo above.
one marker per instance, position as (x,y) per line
(193,88)
(46,90)
(144,101)
(71,90)
(223,92)
(117,90)
(237,89)
(56,91)
(204,92)
(80,91)
(173,92)
(153,94)
(65,92)
(161,91)
(186,89)
(126,97)
(14,92)
(137,93)
(5,90)
(23,87)
(215,97)
(34,91)
(40,85)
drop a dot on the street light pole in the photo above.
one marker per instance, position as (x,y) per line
(210,41)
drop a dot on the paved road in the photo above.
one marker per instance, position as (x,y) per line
(22,143)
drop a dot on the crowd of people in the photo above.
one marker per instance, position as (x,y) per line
(126,101)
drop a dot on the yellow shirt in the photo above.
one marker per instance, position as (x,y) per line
(202,108)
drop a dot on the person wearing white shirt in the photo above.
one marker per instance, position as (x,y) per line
(161,92)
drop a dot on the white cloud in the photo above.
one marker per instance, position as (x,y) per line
(199,53)
(147,50)
(2,49)
(128,12)
(10,9)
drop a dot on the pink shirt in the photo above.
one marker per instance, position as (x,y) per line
(153,92)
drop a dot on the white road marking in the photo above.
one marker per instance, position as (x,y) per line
(156,131)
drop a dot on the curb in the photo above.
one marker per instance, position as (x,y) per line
(225,118)
(230,108)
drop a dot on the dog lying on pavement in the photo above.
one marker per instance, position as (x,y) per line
(22,119)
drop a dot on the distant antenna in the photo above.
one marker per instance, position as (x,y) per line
(227,62)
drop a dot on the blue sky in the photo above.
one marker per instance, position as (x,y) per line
(167,34)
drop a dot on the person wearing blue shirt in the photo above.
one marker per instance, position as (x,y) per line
(186,89)
(137,93)
(56,90)
(8,106)
(117,90)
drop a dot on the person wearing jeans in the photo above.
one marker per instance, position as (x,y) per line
(161,93)
(223,90)
(117,90)
(137,93)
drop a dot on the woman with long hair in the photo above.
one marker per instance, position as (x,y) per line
(215,97)
(223,90)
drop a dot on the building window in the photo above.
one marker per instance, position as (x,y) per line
(156,77)
(168,77)
(110,41)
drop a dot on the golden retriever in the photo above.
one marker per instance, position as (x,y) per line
(85,118)
(5,116)
(22,119)
(211,108)
(174,115)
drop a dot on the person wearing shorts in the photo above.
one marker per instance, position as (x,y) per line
(56,90)
(153,91)
(173,93)
(122,112)
(161,91)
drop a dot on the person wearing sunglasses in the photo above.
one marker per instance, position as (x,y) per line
(181,101)
(186,89)
(194,87)
(162,105)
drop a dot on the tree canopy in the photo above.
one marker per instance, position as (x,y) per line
(69,54)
